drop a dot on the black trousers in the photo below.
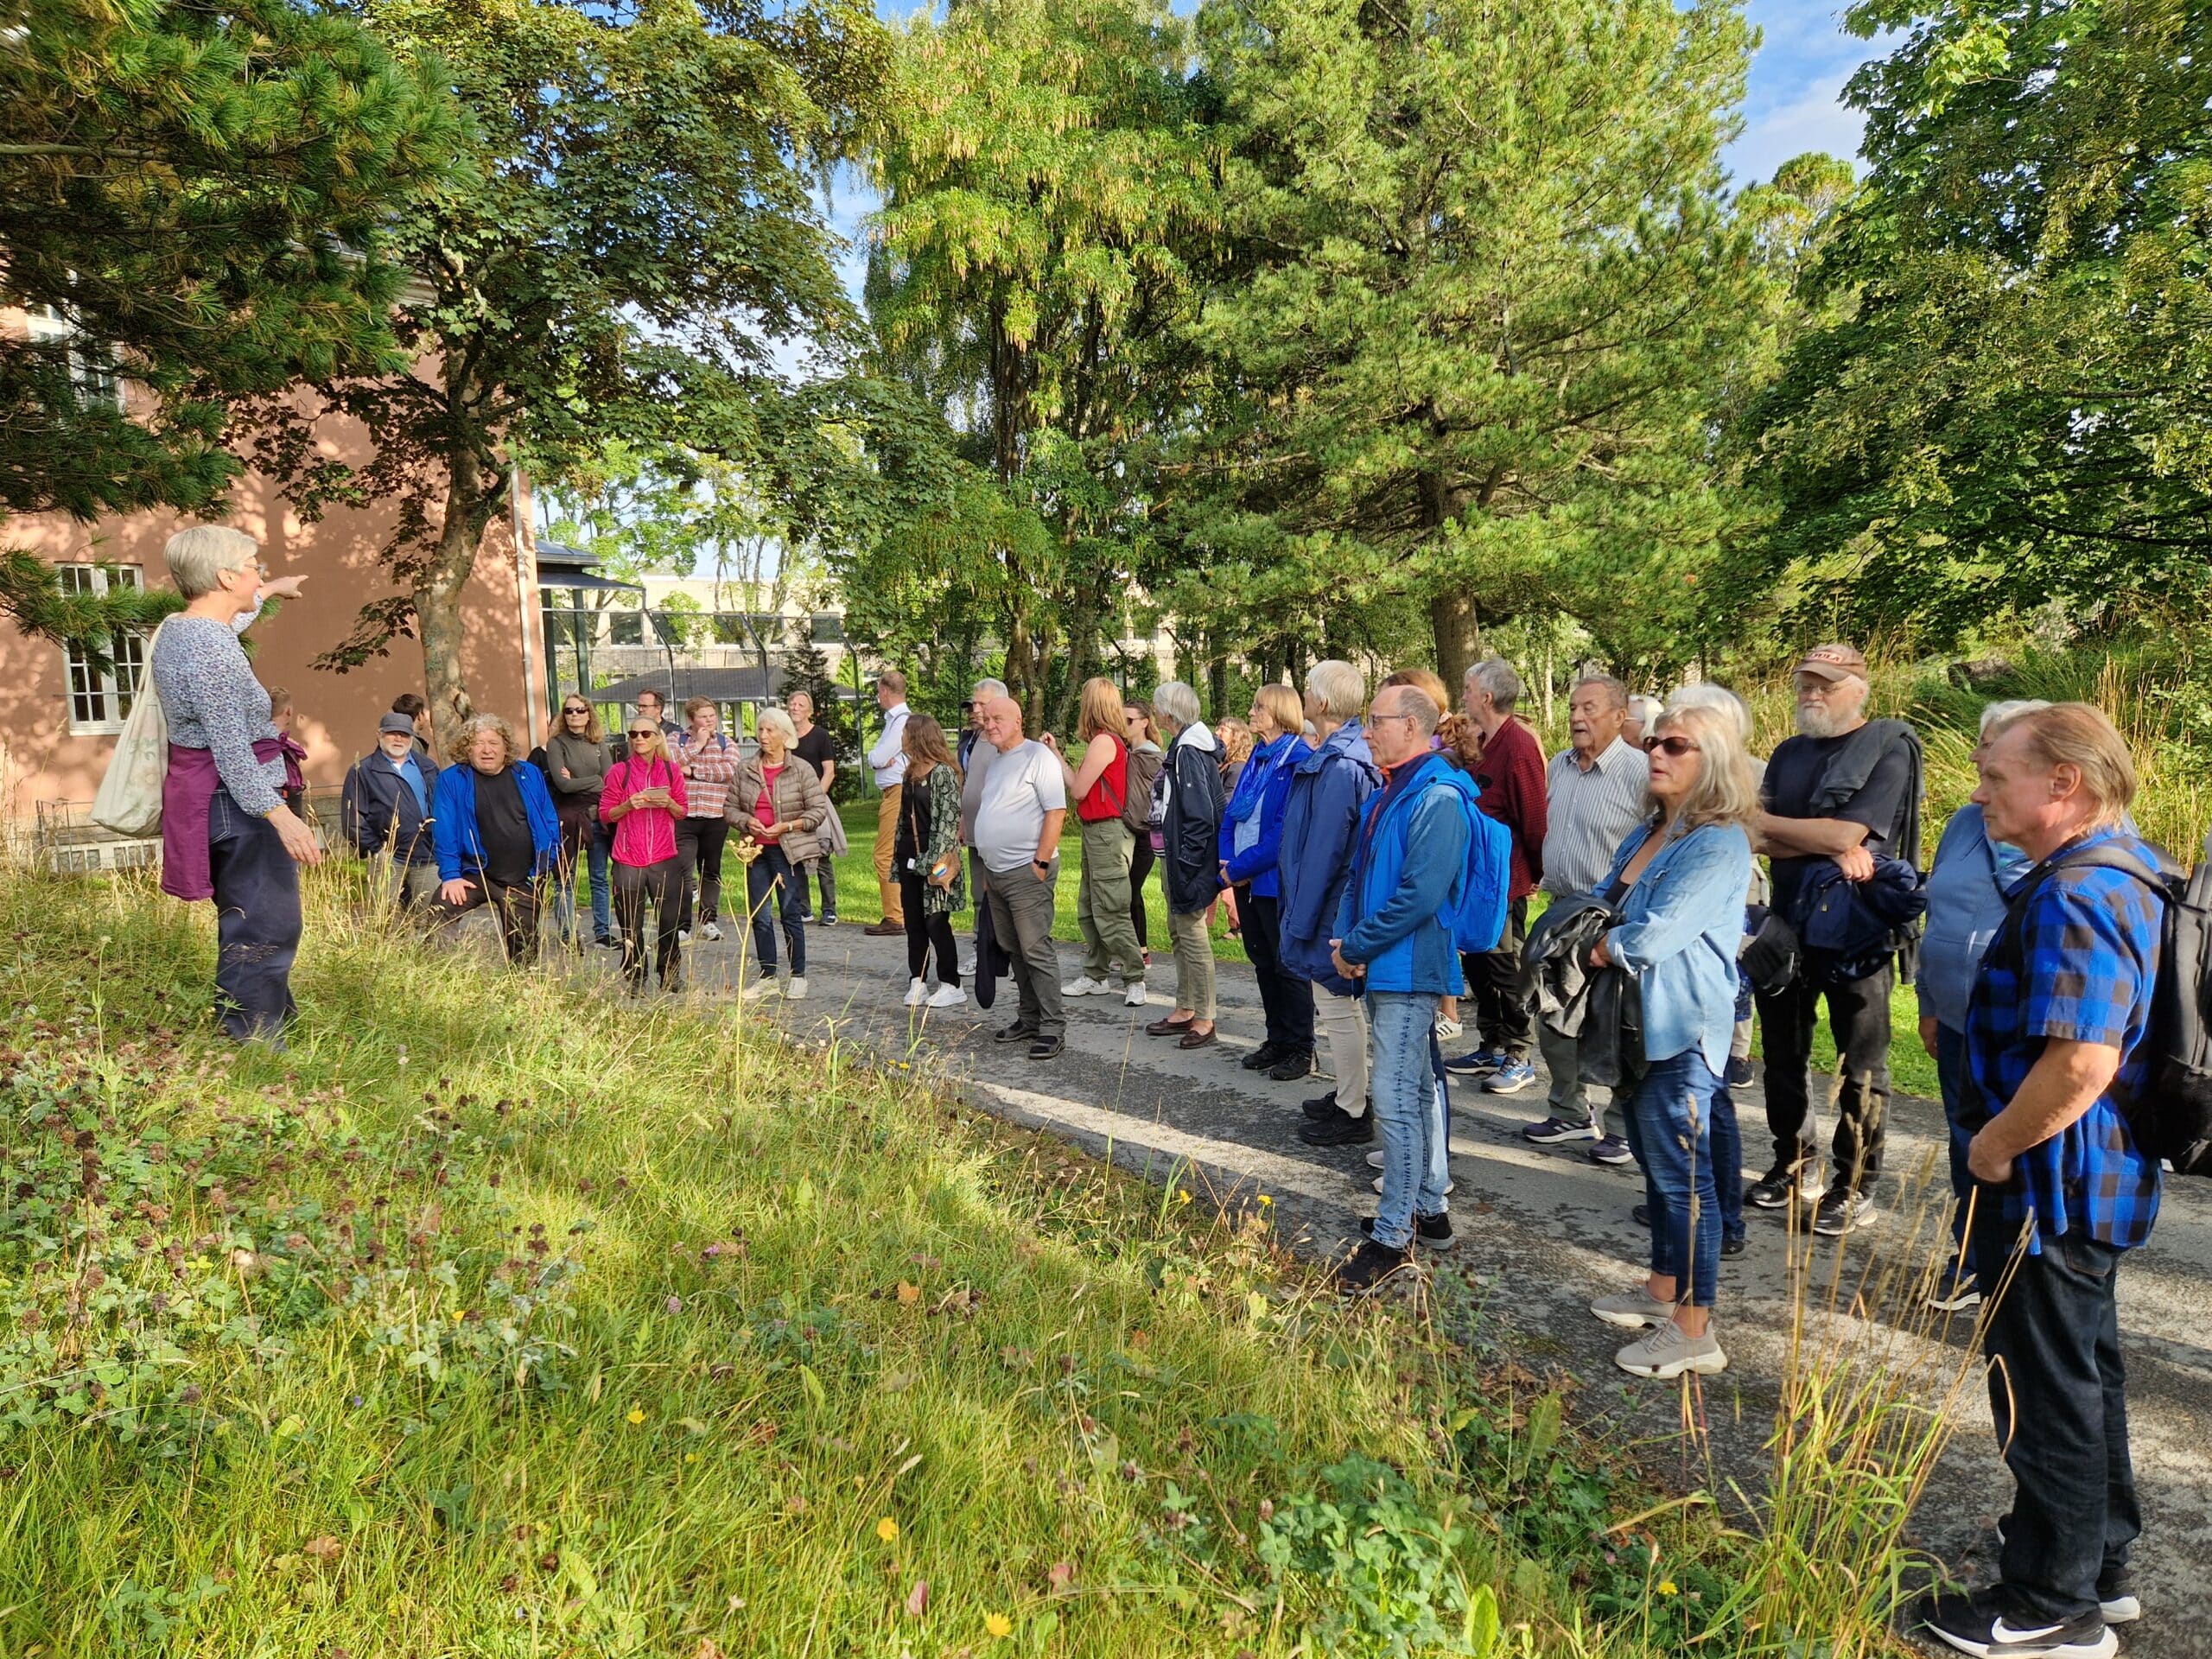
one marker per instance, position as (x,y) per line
(2058,1391)
(515,903)
(1503,1020)
(256,921)
(634,885)
(925,931)
(1287,999)
(1140,861)
(1859,1019)
(699,843)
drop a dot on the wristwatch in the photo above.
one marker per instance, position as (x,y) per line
(1042,863)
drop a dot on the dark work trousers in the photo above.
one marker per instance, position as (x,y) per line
(1141,861)
(515,903)
(1859,1019)
(634,885)
(1950,1078)
(825,869)
(1287,999)
(1022,917)
(1503,1020)
(256,921)
(925,931)
(2059,1393)
(769,879)
(699,843)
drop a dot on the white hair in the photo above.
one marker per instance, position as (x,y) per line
(1496,675)
(198,556)
(776,719)
(1178,702)
(1644,711)
(1704,694)
(1999,714)
(986,689)
(1338,687)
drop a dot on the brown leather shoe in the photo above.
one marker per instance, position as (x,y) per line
(885,928)
(1164,1027)
(1199,1039)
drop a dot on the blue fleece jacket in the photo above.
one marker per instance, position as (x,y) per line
(1260,793)
(1409,875)
(460,845)
(1680,926)
(1320,822)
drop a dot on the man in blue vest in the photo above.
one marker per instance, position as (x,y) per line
(1394,936)
(385,809)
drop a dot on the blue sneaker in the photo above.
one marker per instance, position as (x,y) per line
(1480,1063)
(1510,1078)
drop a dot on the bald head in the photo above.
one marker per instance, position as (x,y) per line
(1000,721)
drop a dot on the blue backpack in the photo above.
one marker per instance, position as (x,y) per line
(1480,923)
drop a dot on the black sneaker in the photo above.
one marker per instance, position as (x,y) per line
(1292,1066)
(1610,1151)
(828,921)
(1990,1625)
(1365,1269)
(1319,1107)
(1016,1033)
(1739,1074)
(1341,1129)
(1641,1215)
(1732,1243)
(1433,1232)
(1262,1057)
(1773,1190)
(1047,1048)
(2116,1601)
(1841,1210)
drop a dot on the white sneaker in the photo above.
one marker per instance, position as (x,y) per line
(711,932)
(758,988)
(1447,1029)
(795,988)
(917,993)
(1665,1352)
(684,936)
(1085,985)
(948,996)
(1133,994)
(1633,1309)
(968,965)
(1375,1158)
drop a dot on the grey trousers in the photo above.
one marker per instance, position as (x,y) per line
(1570,1100)
(1021,915)
(1193,963)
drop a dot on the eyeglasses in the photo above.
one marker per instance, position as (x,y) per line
(1676,746)
(1373,717)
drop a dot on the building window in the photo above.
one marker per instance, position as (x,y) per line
(101,698)
(91,366)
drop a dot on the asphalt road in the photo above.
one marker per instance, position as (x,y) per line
(1542,1230)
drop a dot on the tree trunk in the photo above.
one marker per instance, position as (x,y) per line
(1458,635)
(1217,683)
(438,596)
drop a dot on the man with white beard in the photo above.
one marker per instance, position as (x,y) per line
(1841,791)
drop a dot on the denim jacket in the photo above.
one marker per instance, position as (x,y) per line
(1679,925)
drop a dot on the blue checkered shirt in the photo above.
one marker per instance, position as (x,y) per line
(2089,952)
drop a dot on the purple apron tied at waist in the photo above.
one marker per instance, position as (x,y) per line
(187,789)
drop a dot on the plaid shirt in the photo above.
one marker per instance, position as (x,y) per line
(2089,953)
(716,763)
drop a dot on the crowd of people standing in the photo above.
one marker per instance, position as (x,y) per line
(1349,835)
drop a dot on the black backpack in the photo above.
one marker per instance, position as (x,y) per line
(2171,1118)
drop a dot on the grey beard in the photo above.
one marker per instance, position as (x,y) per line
(1825,720)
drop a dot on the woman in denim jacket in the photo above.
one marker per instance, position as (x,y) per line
(1678,880)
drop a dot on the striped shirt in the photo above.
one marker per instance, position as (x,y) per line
(1590,812)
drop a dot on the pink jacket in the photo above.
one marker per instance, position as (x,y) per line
(648,835)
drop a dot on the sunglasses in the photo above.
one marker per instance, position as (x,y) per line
(644,731)
(575,711)
(1676,746)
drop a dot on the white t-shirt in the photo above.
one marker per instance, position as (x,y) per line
(1023,784)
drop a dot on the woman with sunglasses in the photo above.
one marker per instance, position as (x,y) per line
(1678,883)
(644,799)
(576,759)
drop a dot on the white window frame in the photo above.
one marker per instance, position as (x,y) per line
(92,371)
(99,700)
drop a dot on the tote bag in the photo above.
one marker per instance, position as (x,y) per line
(129,797)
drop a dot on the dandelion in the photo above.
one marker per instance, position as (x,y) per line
(637,1416)
(1265,1200)
(690,1457)
(998,1624)
(887,1529)
(1182,1195)
(1666,1587)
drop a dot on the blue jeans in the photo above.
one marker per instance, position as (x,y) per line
(584,838)
(256,921)
(1728,1164)
(1402,1080)
(1951,1073)
(770,876)
(1669,1122)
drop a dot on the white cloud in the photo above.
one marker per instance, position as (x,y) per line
(1816,118)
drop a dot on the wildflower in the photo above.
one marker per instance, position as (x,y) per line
(637,1416)
(690,1457)
(1666,1587)
(1265,1199)
(998,1624)
(676,1304)
(887,1529)
(1182,1195)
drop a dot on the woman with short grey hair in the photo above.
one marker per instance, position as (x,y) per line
(1186,804)
(227,833)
